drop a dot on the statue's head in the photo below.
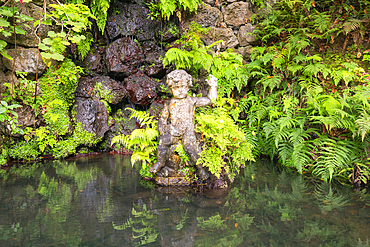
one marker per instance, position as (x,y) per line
(179,81)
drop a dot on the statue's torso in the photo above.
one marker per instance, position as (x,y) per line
(181,115)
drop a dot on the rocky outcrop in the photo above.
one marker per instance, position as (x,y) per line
(93,115)
(246,36)
(237,14)
(25,61)
(153,60)
(224,34)
(206,16)
(94,61)
(123,57)
(130,20)
(115,90)
(142,89)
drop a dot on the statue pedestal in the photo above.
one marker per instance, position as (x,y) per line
(173,174)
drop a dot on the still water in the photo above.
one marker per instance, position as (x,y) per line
(100,200)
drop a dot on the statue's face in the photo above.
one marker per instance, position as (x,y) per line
(180,90)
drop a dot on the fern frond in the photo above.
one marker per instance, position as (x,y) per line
(121,139)
(363,125)
(335,155)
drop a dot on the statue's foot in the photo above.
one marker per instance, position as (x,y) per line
(155,168)
(203,174)
(166,172)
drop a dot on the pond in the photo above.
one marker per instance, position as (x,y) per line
(100,200)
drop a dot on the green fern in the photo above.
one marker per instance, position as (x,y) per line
(99,9)
(144,142)
(335,155)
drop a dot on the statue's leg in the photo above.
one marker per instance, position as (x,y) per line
(192,149)
(162,152)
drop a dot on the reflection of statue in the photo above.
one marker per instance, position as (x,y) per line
(177,119)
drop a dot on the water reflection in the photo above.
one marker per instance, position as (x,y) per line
(101,201)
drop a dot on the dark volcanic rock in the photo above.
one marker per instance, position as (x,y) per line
(94,61)
(141,88)
(87,88)
(131,20)
(123,57)
(93,115)
(153,59)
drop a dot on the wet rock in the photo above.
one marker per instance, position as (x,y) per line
(29,39)
(26,116)
(131,19)
(246,36)
(93,115)
(25,61)
(245,52)
(206,16)
(169,33)
(87,87)
(224,34)
(94,61)
(3,79)
(123,57)
(153,60)
(156,109)
(172,181)
(237,14)
(122,125)
(141,88)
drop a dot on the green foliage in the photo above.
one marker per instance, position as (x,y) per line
(143,141)
(225,148)
(99,9)
(7,114)
(6,25)
(168,7)
(309,105)
(194,55)
(26,151)
(73,20)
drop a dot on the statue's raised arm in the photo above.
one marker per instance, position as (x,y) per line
(212,94)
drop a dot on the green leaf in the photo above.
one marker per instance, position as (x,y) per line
(19,30)
(57,56)
(5,54)
(43,47)
(45,55)
(52,34)
(5,12)
(4,23)
(47,41)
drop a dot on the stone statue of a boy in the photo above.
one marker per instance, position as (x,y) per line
(177,118)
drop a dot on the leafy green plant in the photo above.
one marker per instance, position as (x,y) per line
(8,26)
(143,141)
(73,19)
(225,148)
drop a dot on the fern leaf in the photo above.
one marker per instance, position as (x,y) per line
(363,125)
